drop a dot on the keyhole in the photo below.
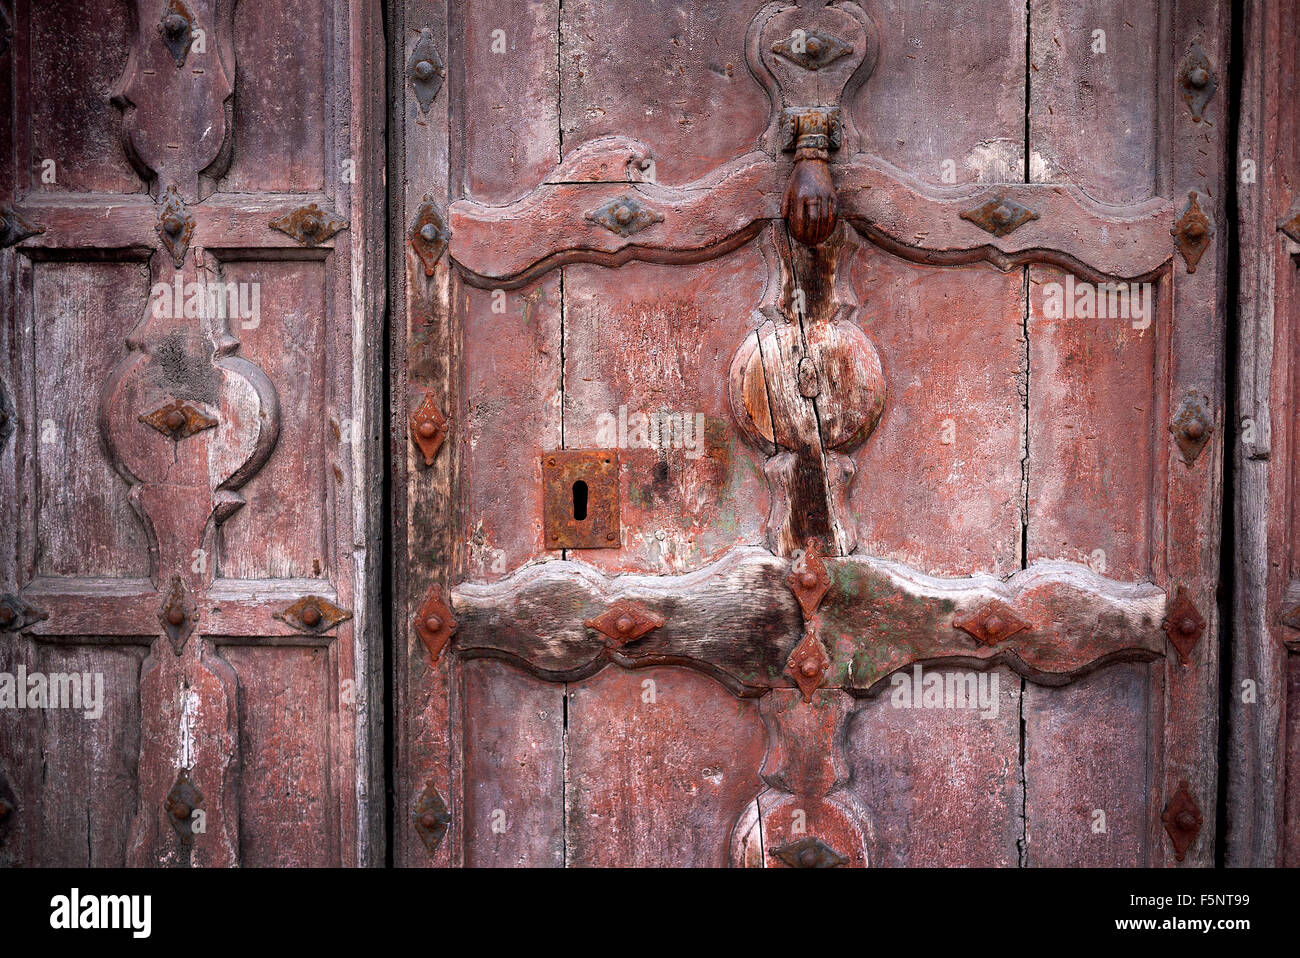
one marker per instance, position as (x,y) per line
(579,500)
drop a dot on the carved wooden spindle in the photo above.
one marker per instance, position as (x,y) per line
(806,817)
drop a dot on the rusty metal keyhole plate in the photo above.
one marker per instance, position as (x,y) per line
(581,503)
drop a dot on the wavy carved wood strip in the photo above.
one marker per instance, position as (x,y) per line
(510,246)
(737,621)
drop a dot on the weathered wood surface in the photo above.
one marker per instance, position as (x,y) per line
(1008,441)
(1263,796)
(275,725)
(737,620)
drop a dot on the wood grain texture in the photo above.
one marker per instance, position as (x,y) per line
(1262,769)
(108,512)
(878,617)
(1088,750)
(658,765)
(942,786)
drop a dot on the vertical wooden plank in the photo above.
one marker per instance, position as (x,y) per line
(1191,709)
(949,86)
(672,75)
(1097,80)
(659,764)
(939,484)
(284,748)
(1088,770)
(1262,729)
(942,786)
(513,768)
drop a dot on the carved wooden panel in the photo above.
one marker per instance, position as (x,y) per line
(839,298)
(188,486)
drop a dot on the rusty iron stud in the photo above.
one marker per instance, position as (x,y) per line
(175,226)
(181,803)
(434,624)
(1183,624)
(812,49)
(429,235)
(809,579)
(1198,81)
(1000,215)
(624,215)
(808,853)
(14,227)
(312,614)
(178,615)
(991,623)
(1182,818)
(808,663)
(17,614)
(432,819)
(1291,617)
(625,622)
(177,30)
(178,420)
(424,70)
(428,428)
(1192,426)
(309,225)
(598,469)
(1290,226)
(1193,232)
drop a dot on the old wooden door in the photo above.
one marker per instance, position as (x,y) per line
(187,473)
(770,380)
(1263,794)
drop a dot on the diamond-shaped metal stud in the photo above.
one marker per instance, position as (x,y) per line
(429,235)
(17,614)
(809,579)
(175,225)
(624,215)
(181,803)
(1192,426)
(178,615)
(178,420)
(808,853)
(309,225)
(1182,818)
(1184,625)
(625,622)
(807,664)
(1198,81)
(991,623)
(812,49)
(434,624)
(424,70)
(428,428)
(14,227)
(999,216)
(431,818)
(312,614)
(1192,232)
(177,30)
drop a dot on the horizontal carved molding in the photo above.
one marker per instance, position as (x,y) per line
(737,620)
(98,222)
(114,611)
(512,245)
